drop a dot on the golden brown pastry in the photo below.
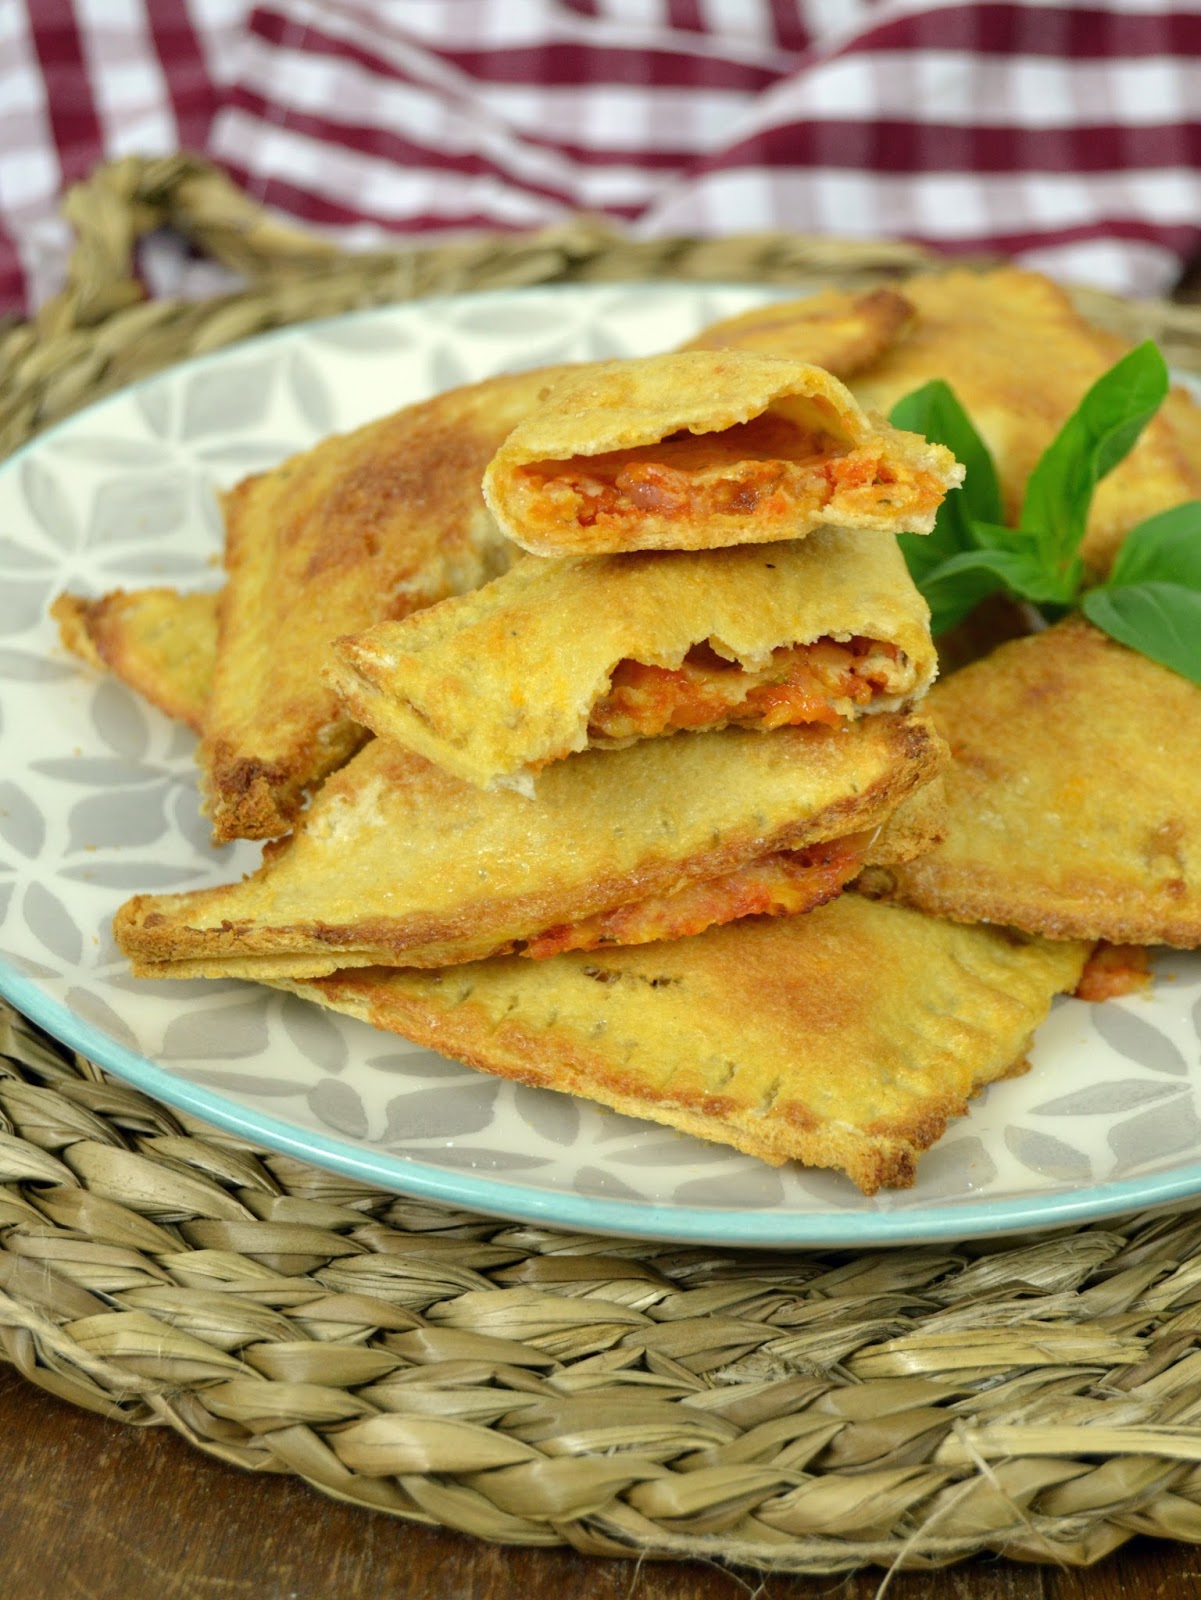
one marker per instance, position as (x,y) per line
(594,652)
(398,862)
(158,641)
(366,525)
(1020,357)
(848,1038)
(837,329)
(702,448)
(1074,795)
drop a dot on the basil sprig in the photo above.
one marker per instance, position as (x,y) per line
(1151,599)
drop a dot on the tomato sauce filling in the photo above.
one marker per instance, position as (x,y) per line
(787,882)
(1114,970)
(768,467)
(819,682)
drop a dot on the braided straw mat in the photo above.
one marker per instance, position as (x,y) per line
(814,1413)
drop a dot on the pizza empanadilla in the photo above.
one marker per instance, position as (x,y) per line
(398,863)
(848,1038)
(564,655)
(701,448)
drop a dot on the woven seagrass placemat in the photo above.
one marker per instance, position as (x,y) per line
(814,1412)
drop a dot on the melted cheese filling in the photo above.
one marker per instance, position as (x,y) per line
(769,468)
(825,681)
(788,882)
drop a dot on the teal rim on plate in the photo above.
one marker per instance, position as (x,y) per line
(98,801)
(631,1219)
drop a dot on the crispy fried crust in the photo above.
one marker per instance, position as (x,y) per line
(853,471)
(847,1038)
(396,861)
(158,641)
(837,330)
(365,526)
(1020,357)
(1074,796)
(499,682)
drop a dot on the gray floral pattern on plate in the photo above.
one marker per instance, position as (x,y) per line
(97,800)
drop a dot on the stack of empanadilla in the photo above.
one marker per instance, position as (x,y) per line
(577,667)
(648,755)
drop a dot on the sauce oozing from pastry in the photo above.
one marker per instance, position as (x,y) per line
(788,882)
(1114,970)
(820,682)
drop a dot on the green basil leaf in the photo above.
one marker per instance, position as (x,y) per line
(996,536)
(935,413)
(951,533)
(1163,549)
(953,595)
(960,582)
(1059,585)
(1098,434)
(1159,620)
(925,551)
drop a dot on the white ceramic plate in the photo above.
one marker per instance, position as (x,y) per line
(98,801)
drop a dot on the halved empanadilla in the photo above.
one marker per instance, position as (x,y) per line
(398,863)
(848,1038)
(705,448)
(559,656)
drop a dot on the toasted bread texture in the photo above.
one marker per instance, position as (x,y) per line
(703,448)
(1074,795)
(396,862)
(1020,357)
(161,643)
(848,1038)
(498,683)
(365,526)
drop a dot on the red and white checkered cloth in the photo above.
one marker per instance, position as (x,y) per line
(1067,135)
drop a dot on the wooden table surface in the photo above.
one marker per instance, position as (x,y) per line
(94,1510)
